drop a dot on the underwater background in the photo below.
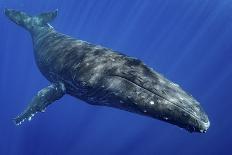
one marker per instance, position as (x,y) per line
(188,41)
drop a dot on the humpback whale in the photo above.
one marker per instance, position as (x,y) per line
(103,77)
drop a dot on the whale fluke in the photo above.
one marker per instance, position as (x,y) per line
(42,99)
(30,22)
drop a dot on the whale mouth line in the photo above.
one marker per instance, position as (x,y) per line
(161,96)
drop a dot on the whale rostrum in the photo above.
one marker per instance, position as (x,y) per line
(101,76)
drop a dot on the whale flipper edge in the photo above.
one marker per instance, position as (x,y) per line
(41,100)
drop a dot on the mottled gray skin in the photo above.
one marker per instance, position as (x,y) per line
(101,76)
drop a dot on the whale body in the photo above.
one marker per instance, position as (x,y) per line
(101,76)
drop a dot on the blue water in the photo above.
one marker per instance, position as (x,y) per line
(188,41)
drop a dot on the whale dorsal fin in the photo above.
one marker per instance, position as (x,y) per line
(43,98)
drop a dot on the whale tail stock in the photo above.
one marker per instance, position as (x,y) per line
(30,22)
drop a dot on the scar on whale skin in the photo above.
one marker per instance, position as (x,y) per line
(101,76)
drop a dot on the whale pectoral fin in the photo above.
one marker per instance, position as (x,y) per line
(43,98)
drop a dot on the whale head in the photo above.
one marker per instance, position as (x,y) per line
(147,92)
